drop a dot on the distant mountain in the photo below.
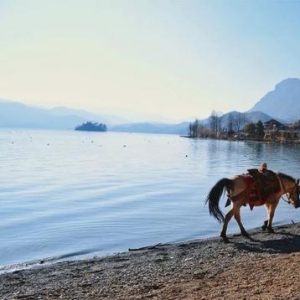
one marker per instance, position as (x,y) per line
(253,116)
(16,114)
(283,102)
(181,128)
(105,118)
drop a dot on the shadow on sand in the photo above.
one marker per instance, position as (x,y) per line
(280,242)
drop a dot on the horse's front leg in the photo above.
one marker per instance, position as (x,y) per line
(271,211)
(264,227)
(224,229)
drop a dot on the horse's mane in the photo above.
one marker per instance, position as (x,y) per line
(288,177)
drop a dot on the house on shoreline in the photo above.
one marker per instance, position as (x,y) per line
(269,131)
(281,133)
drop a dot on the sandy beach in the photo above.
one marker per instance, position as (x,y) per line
(263,267)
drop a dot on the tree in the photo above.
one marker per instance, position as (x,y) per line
(215,123)
(230,130)
(197,129)
(260,130)
(250,129)
(239,122)
(191,132)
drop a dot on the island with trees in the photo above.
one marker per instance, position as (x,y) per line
(90,126)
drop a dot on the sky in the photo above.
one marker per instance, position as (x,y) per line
(178,59)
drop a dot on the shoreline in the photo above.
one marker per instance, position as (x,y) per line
(197,269)
(49,261)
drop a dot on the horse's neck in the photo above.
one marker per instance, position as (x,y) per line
(281,184)
(285,185)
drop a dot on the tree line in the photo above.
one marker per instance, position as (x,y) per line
(234,125)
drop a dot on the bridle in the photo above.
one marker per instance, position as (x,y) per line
(297,187)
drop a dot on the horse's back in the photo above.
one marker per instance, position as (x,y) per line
(240,183)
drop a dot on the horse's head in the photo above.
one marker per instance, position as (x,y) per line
(298,193)
(291,188)
(294,194)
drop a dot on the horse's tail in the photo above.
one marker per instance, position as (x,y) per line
(213,197)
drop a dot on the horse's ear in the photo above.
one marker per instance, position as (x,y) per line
(298,181)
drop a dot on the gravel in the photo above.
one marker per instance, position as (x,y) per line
(262,267)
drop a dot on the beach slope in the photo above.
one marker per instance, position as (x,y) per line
(263,267)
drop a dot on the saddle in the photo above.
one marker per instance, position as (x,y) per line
(259,186)
(265,185)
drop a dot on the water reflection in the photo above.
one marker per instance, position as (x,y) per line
(238,156)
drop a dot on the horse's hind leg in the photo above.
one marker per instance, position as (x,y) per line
(224,229)
(237,217)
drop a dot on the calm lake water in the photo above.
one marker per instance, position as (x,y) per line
(69,194)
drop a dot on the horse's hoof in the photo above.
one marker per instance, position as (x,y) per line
(264,227)
(225,239)
(271,230)
(246,234)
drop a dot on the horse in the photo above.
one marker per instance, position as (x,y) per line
(240,190)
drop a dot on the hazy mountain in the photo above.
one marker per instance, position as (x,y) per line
(141,117)
(283,102)
(16,114)
(105,118)
(252,117)
(181,128)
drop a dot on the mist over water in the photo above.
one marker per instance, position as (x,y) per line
(70,194)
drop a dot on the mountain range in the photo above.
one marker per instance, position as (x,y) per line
(281,104)
(16,114)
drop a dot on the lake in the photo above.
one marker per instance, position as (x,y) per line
(71,194)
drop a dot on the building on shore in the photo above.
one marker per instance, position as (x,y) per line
(278,132)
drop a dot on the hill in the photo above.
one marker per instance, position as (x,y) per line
(181,128)
(15,114)
(283,102)
(18,115)
(105,118)
(252,117)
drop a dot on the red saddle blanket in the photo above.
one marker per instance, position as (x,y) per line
(254,196)
(259,188)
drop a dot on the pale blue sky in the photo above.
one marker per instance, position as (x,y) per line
(180,59)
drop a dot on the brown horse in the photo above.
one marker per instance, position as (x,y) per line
(239,193)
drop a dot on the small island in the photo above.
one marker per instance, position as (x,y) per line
(90,126)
